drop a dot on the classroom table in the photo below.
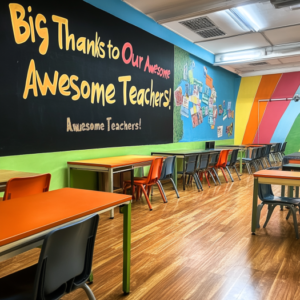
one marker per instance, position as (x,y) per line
(110,166)
(282,178)
(26,221)
(182,154)
(293,158)
(6,175)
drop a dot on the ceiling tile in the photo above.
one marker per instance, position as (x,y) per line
(290,59)
(284,35)
(242,42)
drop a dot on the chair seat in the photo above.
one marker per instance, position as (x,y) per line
(281,200)
(19,285)
(137,180)
(248,159)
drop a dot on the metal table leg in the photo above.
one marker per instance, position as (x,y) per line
(111,188)
(254,206)
(126,247)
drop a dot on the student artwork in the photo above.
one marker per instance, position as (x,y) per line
(187,89)
(191,91)
(178,96)
(220,110)
(224,103)
(185,107)
(229,129)
(232,114)
(200,116)
(196,91)
(229,113)
(185,72)
(229,105)
(207,91)
(220,131)
(206,111)
(209,81)
(194,113)
(224,114)
(199,84)
(205,99)
(213,95)
(215,111)
(191,75)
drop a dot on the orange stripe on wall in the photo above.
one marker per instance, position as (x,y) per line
(265,90)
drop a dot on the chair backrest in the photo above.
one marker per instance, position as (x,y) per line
(191,163)
(258,153)
(268,150)
(263,151)
(222,162)
(264,190)
(234,155)
(214,158)
(66,259)
(155,170)
(283,147)
(277,147)
(254,153)
(203,161)
(27,186)
(168,167)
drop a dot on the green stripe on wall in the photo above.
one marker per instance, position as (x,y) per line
(56,163)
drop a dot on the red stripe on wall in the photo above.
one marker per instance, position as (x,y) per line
(272,116)
(287,86)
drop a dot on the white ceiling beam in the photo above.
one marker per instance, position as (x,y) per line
(270,71)
(189,9)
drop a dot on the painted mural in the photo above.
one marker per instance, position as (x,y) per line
(274,121)
(204,105)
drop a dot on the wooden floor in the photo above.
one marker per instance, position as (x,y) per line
(196,247)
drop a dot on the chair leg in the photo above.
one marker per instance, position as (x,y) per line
(292,208)
(224,175)
(198,182)
(162,192)
(217,176)
(270,211)
(229,173)
(259,208)
(237,173)
(175,188)
(273,157)
(88,292)
(211,175)
(249,168)
(288,215)
(268,159)
(205,174)
(146,196)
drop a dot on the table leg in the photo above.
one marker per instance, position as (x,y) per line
(111,188)
(69,176)
(297,192)
(126,247)
(241,163)
(254,206)
(132,180)
(175,172)
(291,191)
(282,190)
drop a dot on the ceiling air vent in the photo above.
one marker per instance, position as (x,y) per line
(204,27)
(209,33)
(259,63)
(198,23)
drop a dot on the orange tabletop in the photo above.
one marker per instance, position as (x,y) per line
(278,174)
(114,162)
(26,216)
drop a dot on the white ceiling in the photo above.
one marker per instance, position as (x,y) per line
(276,27)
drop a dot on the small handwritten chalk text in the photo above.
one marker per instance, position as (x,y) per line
(109,125)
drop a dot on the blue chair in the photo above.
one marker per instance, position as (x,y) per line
(249,161)
(267,197)
(190,168)
(64,265)
(266,155)
(167,173)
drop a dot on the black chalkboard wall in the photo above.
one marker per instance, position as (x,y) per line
(113,89)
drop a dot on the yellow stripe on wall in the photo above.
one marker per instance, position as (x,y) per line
(246,95)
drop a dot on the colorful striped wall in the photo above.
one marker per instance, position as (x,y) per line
(271,120)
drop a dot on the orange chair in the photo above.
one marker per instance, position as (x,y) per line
(222,162)
(27,186)
(145,183)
